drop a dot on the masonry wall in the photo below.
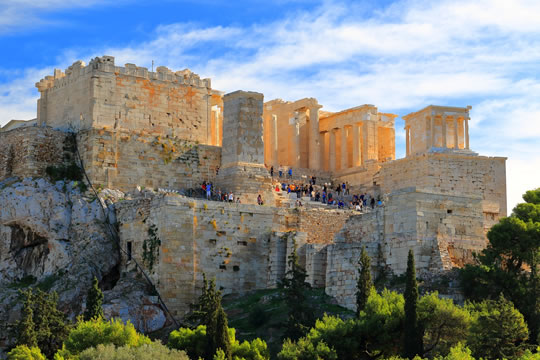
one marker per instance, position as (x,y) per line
(122,160)
(102,95)
(443,232)
(321,225)
(232,243)
(452,174)
(28,151)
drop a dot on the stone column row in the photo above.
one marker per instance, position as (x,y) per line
(345,133)
(430,140)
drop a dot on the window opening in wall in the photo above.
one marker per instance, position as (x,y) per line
(223,267)
(236,268)
(129,245)
(448,211)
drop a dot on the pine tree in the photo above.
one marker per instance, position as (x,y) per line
(26,333)
(294,285)
(94,300)
(413,337)
(364,284)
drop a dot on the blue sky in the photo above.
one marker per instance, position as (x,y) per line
(397,55)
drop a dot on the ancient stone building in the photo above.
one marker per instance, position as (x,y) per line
(136,128)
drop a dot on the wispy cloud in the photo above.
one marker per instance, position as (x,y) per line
(17,14)
(410,54)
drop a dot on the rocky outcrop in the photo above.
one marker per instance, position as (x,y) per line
(54,237)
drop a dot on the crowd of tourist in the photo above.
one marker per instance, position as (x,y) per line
(337,195)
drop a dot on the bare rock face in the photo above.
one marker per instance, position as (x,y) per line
(54,238)
(129,301)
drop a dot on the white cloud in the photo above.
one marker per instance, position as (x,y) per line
(17,14)
(414,53)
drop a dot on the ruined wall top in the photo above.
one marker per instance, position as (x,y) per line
(106,64)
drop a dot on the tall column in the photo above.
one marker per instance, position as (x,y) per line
(344,162)
(456,145)
(274,141)
(432,131)
(314,141)
(427,137)
(466,120)
(296,140)
(356,145)
(322,151)
(444,131)
(218,137)
(332,150)
(408,145)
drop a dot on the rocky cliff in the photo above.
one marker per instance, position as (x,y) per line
(55,238)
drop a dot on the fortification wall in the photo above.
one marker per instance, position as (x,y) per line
(102,95)
(320,225)
(443,231)
(452,174)
(239,245)
(124,159)
(27,151)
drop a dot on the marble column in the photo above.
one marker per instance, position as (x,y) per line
(322,151)
(456,145)
(216,119)
(332,150)
(444,131)
(296,140)
(407,141)
(344,162)
(466,120)
(314,141)
(432,127)
(274,141)
(356,145)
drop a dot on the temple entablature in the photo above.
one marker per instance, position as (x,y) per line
(437,128)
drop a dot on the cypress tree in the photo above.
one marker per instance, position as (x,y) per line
(94,300)
(364,284)
(210,313)
(42,324)
(222,340)
(26,333)
(294,285)
(413,337)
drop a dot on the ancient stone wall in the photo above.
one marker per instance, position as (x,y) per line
(27,151)
(124,159)
(321,225)
(234,243)
(443,231)
(102,95)
(452,174)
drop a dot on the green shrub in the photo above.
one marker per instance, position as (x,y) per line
(88,334)
(152,351)
(194,342)
(23,352)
